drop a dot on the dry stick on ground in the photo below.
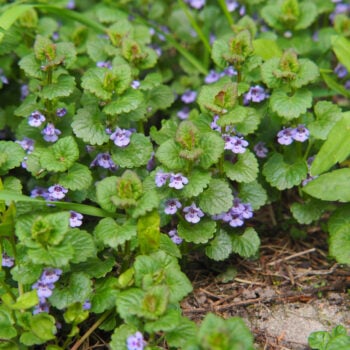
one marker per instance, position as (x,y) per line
(303,296)
(292,256)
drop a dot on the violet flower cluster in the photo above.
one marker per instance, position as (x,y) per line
(237,214)
(135,341)
(174,236)
(176,181)
(121,137)
(44,288)
(105,161)
(286,136)
(7,261)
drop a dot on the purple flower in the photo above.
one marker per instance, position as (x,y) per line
(151,164)
(255,94)
(135,84)
(285,136)
(55,36)
(174,236)
(340,71)
(44,290)
(121,137)
(50,275)
(36,119)
(70,5)
(41,307)
(75,219)
(232,5)
(87,305)
(40,192)
(238,207)
(214,124)
(135,341)
(104,160)
(161,178)
(212,77)
(177,181)
(247,212)
(301,134)
(27,144)
(7,261)
(197,4)
(57,192)
(229,71)
(3,77)
(104,64)
(260,150)
(183,113)
(189,96)
(193,213)
(235,144)
(24,91)
(50,133)
(61,112)
(236,220)
(171,206)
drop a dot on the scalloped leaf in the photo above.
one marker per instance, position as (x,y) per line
(246,245)
(125,103)
(197,181)
(168,154)
(250,122)
(88,124)
(11,155)
(308,73)
(105,190)
(78,177)
(62,87)
(283,175)
(159,98)
(136,154)
(212,146)
(31,66)
(166,132)
(83,245)
(220,247)
(309,211)
(146,203)
(217,198)
(201,232)
(245,169)
(291,107)
(60,156)
(253,193)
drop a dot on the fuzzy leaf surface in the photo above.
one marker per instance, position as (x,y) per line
(201,232)
(220,247)
(246,245)
(78,177)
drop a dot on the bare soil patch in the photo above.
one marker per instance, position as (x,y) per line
(292,289)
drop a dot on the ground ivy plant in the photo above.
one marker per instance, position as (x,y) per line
(133,133)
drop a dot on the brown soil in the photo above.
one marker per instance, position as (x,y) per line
(289,291)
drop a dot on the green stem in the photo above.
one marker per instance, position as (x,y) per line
(91,330)
(308,149)
(226,12)
(195,26)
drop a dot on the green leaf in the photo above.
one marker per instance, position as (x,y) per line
(66,51)
(136,154)
(166,323)
(125,103)
(105,295)
(129,302)
(327,114)
(167,131)
(283,175)
(217,333)
(11,155)
(7,330)
(169,247)
(253,193)
(246,245)
(290,107)
(43,326)
(120,336)
(334,85)
(77,290)
(62,87)
(168,154)
(25,301)
(197,181)
(184,334)
(160,97)
(212,146)
(308,72)
(114,235)
(332,186)
(148,232)
(99,81)
(250,122)
(147,202)
(266,48)
(30,66)
(94,267)
(105,190)
(201,232)
(55,256)
(26,273)
(335,149)
(82,243)
(60,156)
(78,177)
(341,48)
(220,247)
(244,169)
(311,210)
(339,244)
(88,124)
(217,198)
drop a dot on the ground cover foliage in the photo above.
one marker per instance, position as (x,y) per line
(134,133)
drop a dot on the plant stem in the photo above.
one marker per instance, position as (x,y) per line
(227,14)
(196,27)
(91,330)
